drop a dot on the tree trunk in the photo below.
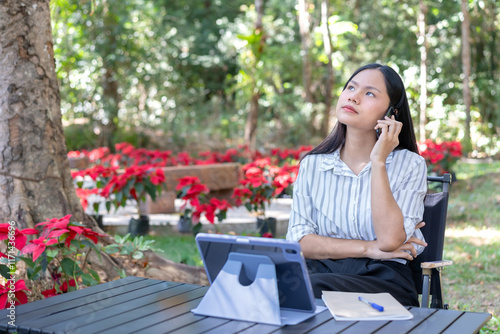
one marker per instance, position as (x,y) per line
(305,34)
(253,113)
(327,41)
(251,124)
(35,177)
(422,36)
(466,65)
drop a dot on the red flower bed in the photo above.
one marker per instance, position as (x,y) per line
(442,156)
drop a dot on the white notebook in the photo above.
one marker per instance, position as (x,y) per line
(345,306)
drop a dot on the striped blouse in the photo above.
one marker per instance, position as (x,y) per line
(330,200)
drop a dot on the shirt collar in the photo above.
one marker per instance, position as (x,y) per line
(332,161)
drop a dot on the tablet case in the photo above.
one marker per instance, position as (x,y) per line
(255,279)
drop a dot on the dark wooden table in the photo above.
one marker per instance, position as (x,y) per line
(140,305)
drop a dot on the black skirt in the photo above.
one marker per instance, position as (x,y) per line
(363,275)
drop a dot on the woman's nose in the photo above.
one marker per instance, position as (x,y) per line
(353,99)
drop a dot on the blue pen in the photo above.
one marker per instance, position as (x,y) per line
(367,302)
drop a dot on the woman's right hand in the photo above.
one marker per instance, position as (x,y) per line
(374,251)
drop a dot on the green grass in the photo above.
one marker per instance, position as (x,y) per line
(180,249)
(472,242)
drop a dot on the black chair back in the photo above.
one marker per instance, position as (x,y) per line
(435,212)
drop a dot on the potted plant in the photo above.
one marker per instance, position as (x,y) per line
(89,191)
(256,190)
(197,203)
(133,184)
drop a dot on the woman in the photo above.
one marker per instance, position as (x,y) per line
(358,198)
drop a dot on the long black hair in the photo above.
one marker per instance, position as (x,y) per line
(398,100)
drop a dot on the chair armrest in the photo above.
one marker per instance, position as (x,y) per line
(435,264)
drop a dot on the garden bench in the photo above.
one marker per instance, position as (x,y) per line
(220,178)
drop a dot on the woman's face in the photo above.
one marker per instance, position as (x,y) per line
(364,101)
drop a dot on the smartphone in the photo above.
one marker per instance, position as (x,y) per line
(389,113)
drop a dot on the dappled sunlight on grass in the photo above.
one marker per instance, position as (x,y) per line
(472,283)
(477,237)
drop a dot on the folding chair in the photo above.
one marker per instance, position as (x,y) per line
(427,266)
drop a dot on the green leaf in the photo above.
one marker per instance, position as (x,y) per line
(79,184)
(249,207)
(44,264)
(88,280)
(69,267)
(111,249)
(139,188)
(96,207)
(197,228)
(32,273)
(91,245)
(5,272)
(137,255)
(151,190)
(29,262)
(52,252)
(119,197)
(108,206)
(95,275)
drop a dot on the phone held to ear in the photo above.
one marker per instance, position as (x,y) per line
(389,114)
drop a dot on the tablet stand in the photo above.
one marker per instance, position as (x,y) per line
(246,289)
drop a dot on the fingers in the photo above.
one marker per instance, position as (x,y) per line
(419,225)
(389,125)
(409,247)
(416,241)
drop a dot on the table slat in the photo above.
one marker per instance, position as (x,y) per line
(404,326)
(200,326)
(468,323)
(234,326)
(307,325)
(47,302)
(141,316)
(104,309)
(437,322)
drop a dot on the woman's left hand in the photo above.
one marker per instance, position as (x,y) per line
(388,139)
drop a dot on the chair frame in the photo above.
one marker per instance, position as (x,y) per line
(429,272)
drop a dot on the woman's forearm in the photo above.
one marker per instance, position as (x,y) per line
(388,220)
(320,247)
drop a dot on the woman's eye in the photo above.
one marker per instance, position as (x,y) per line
(370,94)
(350,87)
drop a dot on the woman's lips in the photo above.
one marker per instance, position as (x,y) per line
(349,109)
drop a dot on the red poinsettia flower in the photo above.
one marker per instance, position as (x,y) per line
(83,195)
(187,181)
(38,246)
(87,232)
(20,238)
(220,204)
(63,288)
(158,177)
(19,294)
(56,222)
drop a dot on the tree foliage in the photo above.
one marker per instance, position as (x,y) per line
(181,74)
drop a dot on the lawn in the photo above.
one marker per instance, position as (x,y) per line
(472,242)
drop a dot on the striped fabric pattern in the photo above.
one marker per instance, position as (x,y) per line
(330,200)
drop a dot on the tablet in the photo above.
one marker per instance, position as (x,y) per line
(294,287)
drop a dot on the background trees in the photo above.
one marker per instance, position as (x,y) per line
(187,74)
